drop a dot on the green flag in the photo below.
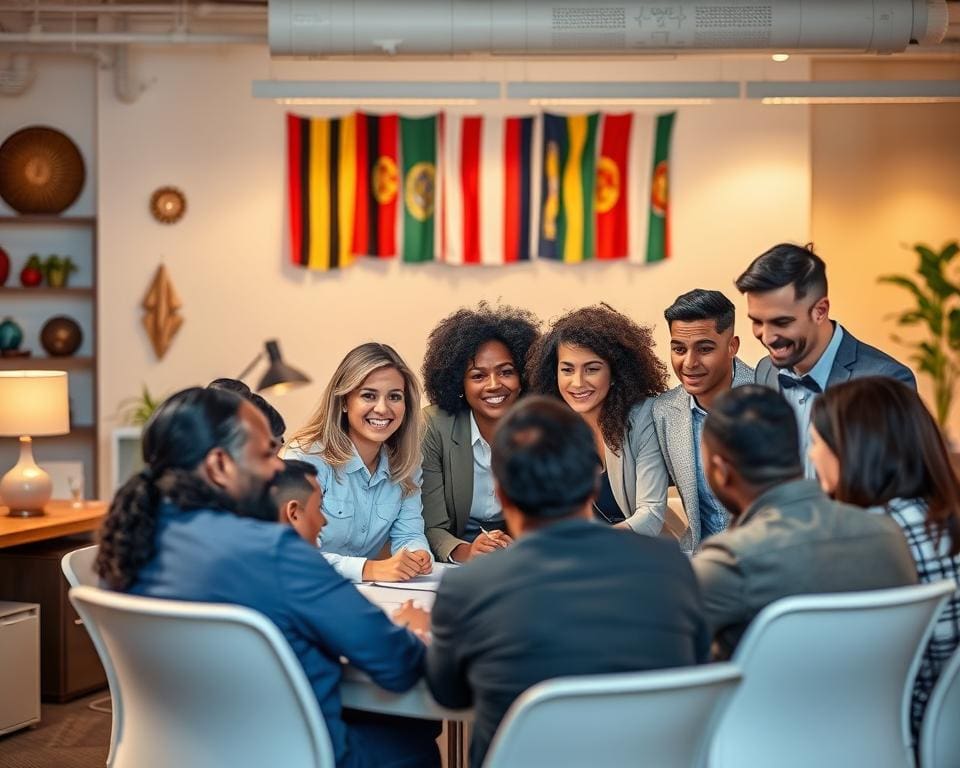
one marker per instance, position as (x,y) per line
(658,232)
(418,142)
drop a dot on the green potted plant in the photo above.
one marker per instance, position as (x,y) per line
(58,270)
(936,309)
(136,411)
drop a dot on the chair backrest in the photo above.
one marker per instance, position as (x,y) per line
(662,718)
(204,684)
(940,731)
(827,680)
(77,566)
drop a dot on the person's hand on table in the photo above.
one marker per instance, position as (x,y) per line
(484,543)
(424,559)
(401,567)
(413,618)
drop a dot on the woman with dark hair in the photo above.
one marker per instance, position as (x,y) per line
(874,444)
(473,372)
(199,524)
(602,365)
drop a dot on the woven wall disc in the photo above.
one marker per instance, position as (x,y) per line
(41,170)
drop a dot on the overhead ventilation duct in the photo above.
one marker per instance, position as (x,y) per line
(517,27)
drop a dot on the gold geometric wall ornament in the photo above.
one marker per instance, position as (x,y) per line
(161,315)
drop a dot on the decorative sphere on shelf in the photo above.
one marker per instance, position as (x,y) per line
(11,335)
(61,336)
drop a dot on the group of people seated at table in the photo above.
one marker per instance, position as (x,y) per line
(542,467)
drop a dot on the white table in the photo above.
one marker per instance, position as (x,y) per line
(358,691)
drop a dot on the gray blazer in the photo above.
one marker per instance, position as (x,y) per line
(793,540)
(674,424)
(854,360)
(447,490)
(638,477)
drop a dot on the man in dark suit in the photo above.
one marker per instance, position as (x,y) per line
(570,597)
(788,537)
(786,290)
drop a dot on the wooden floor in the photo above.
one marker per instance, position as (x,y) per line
(68,736)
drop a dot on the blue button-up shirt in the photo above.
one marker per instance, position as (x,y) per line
(217,557)
(801,399)
(363,511)
(484,506)
(713,518)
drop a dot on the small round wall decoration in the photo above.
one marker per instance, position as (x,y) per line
(167,204)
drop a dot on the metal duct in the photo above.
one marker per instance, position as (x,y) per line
(447,27)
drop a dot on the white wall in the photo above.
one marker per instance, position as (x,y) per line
(741,181)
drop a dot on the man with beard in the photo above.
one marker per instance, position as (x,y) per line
(199,523)
(787,537)
(787,302)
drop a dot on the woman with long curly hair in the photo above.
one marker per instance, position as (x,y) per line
(601,363)
(874,444)
(364,440)
(473,372)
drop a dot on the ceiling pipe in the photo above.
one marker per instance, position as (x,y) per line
(202,9)
(128,38)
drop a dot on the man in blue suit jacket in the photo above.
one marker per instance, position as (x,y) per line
(786,290)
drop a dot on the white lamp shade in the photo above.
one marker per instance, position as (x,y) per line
(34,403)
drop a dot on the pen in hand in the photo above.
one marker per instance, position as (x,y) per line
(495,539)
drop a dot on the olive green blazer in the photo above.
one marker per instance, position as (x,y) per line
(447,490)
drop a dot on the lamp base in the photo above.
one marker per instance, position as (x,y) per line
(25,512)
(26,488)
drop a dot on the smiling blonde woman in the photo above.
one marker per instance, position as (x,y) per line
(364,439)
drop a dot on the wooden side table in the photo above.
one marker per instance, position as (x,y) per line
(62,519)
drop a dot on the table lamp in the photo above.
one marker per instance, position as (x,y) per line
(32,404)
(279,376)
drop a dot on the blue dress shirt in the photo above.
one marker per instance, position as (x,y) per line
(217,557)
(801,399)
(713,518)
(363,511)
(484,505)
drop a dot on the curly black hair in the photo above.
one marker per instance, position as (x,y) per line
(453,344)
(627,348)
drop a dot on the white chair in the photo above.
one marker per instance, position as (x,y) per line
(662,718)
(204,685)
(77,567)
(827,680)
(940,731)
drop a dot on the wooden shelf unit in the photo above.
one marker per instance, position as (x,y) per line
(12,295)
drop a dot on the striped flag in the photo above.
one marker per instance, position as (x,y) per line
(592,166)
(321,171)
(658,231)
(378,184)
(567,187)
(612,192)
(486,166)
(418,140)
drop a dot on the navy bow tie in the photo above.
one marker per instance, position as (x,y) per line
(807,382)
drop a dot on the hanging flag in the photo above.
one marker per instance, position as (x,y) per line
(418,140)
(612,198)
(568,185)
(658,231)
(486,189)
(321,169)
(378,185)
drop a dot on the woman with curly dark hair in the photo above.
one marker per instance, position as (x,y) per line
(473,372)
(602,365)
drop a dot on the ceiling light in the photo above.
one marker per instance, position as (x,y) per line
(781,57)
(855,91)
(622,94)
(370,93)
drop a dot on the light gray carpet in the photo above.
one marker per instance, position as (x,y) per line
(68,736)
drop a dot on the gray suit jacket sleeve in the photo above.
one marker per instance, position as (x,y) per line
(722,585)
(642,449)
(437,520)
(446,671)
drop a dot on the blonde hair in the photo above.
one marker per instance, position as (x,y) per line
(325,434)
